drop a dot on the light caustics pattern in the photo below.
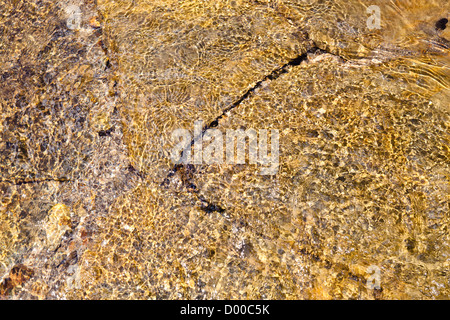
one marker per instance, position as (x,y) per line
(93,206)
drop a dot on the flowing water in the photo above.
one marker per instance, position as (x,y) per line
(92,205)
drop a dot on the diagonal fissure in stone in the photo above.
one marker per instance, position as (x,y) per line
(185,170)
(275,74)
(31,181)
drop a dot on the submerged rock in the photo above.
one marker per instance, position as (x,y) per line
(93,204)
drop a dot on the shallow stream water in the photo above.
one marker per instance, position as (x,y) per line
(92,206)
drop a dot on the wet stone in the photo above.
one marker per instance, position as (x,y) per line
(92,206)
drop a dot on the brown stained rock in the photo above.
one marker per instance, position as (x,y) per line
(18,275)
(94,22)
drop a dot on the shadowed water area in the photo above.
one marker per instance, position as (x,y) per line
(92,206)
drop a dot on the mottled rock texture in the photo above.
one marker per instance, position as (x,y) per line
(93,207)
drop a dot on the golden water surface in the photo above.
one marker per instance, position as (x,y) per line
(93,207)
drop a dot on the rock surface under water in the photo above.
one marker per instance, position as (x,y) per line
(93,207)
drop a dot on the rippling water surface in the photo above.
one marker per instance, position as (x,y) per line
(93,207)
